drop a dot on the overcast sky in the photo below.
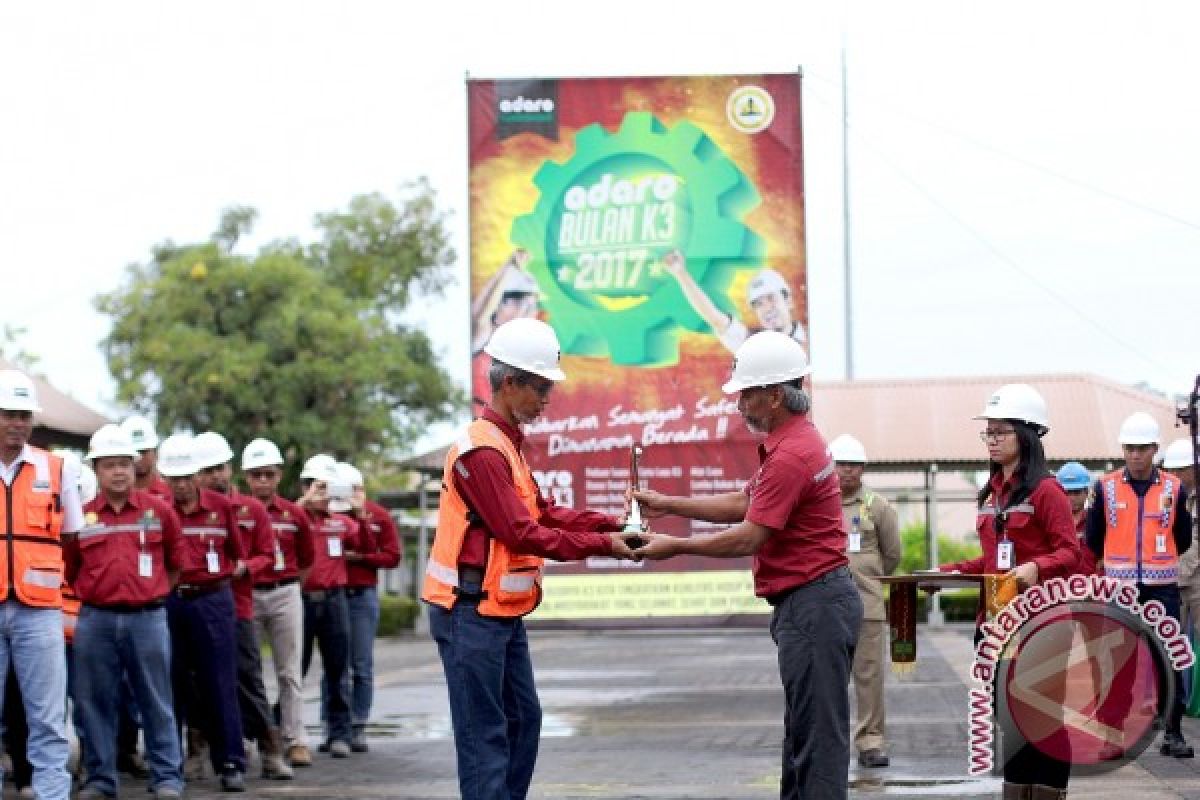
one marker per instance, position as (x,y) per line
(1025,176)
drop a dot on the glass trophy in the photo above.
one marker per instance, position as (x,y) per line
(634,524)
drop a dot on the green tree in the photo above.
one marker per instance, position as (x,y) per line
(14,352)
(301,344)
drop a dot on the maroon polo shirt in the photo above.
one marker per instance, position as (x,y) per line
(1046,536)
(258,540)
(293,533)
(160,489)
(329,562)
(378,542)
(795,493)
(487,487)
(103,562)
(210,528)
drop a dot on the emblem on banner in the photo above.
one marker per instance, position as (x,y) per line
(750,109)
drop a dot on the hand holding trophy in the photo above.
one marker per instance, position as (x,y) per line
(634,524)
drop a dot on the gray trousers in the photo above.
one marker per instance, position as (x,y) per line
(280,616)
(815,629)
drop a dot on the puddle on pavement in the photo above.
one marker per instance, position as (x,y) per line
(437,726)
(926,787)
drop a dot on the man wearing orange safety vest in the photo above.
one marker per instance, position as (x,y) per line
(1138,525)
(485,570)
(39,502)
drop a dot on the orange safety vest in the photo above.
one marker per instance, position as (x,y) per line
(70,609)
(31,513)
(512,582)
(1136,526)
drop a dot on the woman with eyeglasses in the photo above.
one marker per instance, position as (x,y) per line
(1026,531)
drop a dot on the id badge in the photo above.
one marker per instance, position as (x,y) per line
(855,542)
(280,564)
(1004,555)
(335,546)
(1160,543)
(146,565)
(213,559)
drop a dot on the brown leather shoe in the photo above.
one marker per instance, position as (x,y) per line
(1017,791)
(299,756)
(1042,792)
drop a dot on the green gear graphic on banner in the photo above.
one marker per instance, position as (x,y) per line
(606,217)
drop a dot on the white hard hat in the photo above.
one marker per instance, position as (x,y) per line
(261,453)
(111,440)
(88,485)
(317,467)
(847,449)
(176,456)
(1018,401)
(211,450)
(1178,454)
(765,359)
(141,432)
(17,392)
(527,344)
(518,281)
(765,282)
(1139,428)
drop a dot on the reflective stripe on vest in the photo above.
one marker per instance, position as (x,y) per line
(31,518)
(1131,539)
(511,581)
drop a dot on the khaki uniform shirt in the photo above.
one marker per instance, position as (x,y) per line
(880,548)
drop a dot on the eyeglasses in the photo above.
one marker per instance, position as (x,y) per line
(995,435)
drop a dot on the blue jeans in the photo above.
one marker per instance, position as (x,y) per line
(31,639)
(364,620)
(327,623)
(493,700)
(815,629)
(108,646)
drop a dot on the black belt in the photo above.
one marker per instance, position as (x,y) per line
(265,587)
(470,574)
(358,591)
(190,591)
(124,608)
(779,597)
(323,594)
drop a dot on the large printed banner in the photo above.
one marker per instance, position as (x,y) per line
(655,223)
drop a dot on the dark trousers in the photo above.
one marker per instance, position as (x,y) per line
(327,623)
(1169,597)
(16,732)
(815,629)
(252,695)
(494,706)
(204,672)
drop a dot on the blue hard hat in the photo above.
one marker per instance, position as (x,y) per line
(1073,476)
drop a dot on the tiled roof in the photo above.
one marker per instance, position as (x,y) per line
(915,421)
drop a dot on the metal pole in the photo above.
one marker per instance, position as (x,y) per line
(936,618)
(422,622)
(847,277)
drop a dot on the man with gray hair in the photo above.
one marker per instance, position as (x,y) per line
(789,517)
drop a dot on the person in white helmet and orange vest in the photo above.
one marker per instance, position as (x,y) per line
(31,577)
(278,606)
(145,439)
(768,294)
(1138,526)
(875,550)
(122,564)
(485,568)
(1178,459)
(214,460)
(789,517)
